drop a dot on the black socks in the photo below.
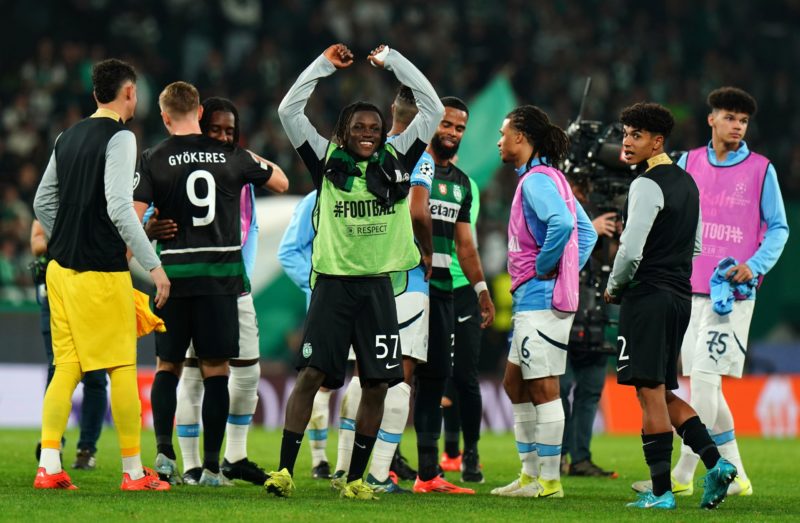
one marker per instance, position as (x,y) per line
(216,403)
(696,436)
(290,446)
(362,448)
(658,454)
(164,400)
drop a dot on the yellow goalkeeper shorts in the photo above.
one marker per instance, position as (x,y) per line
(92,317)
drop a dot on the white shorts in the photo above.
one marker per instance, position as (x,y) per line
(413,312)
(716,344)
(539,342)
(248,330)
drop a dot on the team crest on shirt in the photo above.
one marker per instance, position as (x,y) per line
(443,189)
(457,193)
(307,350)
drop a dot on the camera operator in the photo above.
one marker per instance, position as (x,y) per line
(586,361)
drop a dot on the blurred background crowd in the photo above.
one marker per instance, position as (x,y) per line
(251,51)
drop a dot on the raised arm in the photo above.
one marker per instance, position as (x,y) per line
(291,110)
(430,107)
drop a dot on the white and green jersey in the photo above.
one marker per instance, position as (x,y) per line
(459,278)
(451,201)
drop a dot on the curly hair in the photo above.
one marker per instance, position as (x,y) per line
(341,130)
(732,99)
(214,104)
(647,116)
(108,77)
(547,139)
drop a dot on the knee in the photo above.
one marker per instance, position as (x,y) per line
(514,389)
(309,380)
(374,394)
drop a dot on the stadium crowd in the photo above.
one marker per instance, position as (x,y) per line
(249,50)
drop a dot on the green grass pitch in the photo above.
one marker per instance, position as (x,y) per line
(771,465)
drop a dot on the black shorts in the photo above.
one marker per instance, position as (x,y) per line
(440,338)
(468,334)
(652,323)
(211,323)
(352,311)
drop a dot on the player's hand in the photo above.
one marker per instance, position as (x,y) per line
(427,261)
(157,229)
(378,55)
(339,55)
(606,224)
(162,286)
(487,309)
(610,298)
(740,273)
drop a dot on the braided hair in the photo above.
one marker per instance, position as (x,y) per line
(214,104)
(342,129)
(548,140)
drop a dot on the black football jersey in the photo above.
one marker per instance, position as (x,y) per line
(197,181)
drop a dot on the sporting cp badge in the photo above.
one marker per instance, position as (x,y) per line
(443,189)
(457,193)
(306,350)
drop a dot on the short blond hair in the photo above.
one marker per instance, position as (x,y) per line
(179,99)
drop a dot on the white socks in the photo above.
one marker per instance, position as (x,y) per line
(318,427)
(243,391)
(347,424)
(549,434)
(50,459)
(725,438)
(525,434)
(133,466)
(187,417)
(395,417)
(706,392)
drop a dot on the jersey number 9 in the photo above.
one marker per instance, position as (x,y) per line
(209,201)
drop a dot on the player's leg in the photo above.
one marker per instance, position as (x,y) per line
(321,362)
(526,485)
(93,413)
(245,374)
(543,353)
(376,343)
(171,349)
(724,436)
(413,309)
(347,425)
(215,334)
(430,384)
(467,346)
(318,434)
(126,409)
(705,393)
(451,457)
(590,380)
(187,418)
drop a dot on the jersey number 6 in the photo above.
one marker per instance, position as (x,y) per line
(209,200)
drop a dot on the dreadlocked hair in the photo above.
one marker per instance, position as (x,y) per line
(341,130)
(214,104)
(547,139)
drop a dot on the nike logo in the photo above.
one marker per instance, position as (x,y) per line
(623,367)
(360,446)
(462,319)
(551,341)
(401,326)
(648,443)
(389,367)
(299,442)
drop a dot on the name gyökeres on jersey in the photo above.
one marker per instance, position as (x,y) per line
(196,157)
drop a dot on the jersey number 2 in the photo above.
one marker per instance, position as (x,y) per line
(209,201)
